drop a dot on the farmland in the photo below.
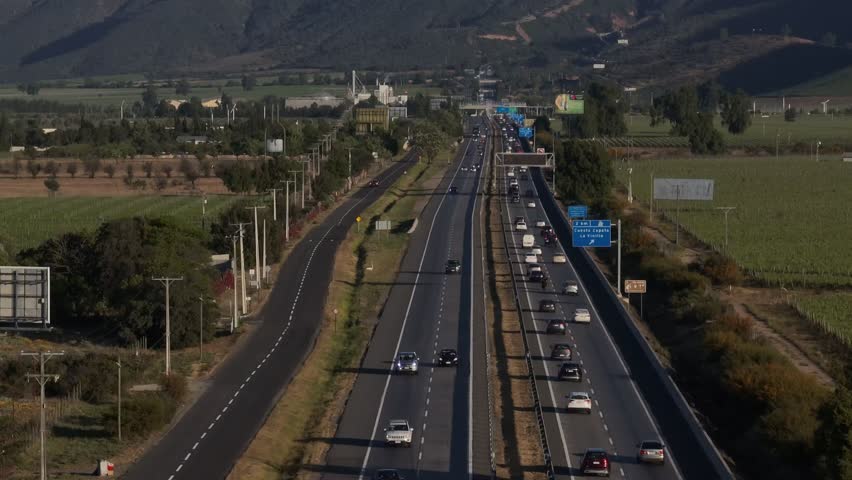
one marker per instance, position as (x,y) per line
(763,132)
(29,221)
(831,311)
(791,226)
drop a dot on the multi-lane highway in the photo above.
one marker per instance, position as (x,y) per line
(427,310)
(619,417)
(209,438)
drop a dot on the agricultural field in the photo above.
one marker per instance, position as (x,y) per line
(792,222)
(29,221)
(114,96)
(831,311)
(763,132)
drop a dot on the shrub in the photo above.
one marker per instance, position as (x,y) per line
(174,386)
(141,414)
(722,270)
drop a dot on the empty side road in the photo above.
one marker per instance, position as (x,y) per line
(209,438)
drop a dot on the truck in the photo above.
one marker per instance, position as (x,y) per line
(398,433)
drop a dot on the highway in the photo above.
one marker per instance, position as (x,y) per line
(426,311)
(620,417)
(208,439)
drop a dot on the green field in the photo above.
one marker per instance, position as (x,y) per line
(29,221)
(114,96)
(763,131)
(832,312)
(836,83)
(792,225)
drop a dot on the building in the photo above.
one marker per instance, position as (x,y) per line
(384,94)
(321,100)
(195,140)
(368,120)
(847,157)
(397,110)
(437,103)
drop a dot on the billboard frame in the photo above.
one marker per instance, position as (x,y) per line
(549,160)
(578,98)
(12,298)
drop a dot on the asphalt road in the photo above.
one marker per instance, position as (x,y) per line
(209,438)
(620,417)
(427,310)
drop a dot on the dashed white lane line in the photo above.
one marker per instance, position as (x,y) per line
(203,435)
(187,457)
(195,446)
(179,467)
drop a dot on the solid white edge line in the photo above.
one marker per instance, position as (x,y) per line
(470,321)
(405,320)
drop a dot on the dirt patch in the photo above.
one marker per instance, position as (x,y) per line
(494,36)
(562,9)
(11,187)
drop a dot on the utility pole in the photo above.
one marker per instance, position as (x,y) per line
(618,282)
(818,143)
(264,249)
(287,208)
(296,172)
(349,177)
(274,192)
(727,210)
(167,281)
(201,328)
(256,245)
(42,379)
(234,270)
(119,397)
(241,233)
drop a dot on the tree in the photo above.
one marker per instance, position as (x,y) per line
(129,171)
(190,173)
(148,168)
(205,165)
(91,165)
(790,115)
(71,168)
(16,165)
(167,169)
(588,177)
(51,168)
(603,113)
(183,87)
(52,185)
(109,169)
(735,112)
(33,167)
(149,99)
(429,139)
(33,89)
(704,138)
(248,82)
(833,438)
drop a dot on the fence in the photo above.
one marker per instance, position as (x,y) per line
(25,415)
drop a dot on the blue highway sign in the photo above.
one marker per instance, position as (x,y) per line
(502,109)
(578,211)
(525,132)
(592,233)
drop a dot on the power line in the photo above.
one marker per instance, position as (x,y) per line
(42,379)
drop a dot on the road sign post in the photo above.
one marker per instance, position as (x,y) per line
(578,211)
(358,223)
(640,287)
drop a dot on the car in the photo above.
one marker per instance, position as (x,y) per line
(510,173)
(514,183)
(595,462)
(546,229)
(463,169)
(523,169)
(453,189)
(570,287)
(407,362)
(532,267)
(516,199)
(521,225)
(651,451)
(535,250)
(387,474)
(448,358)
(530,204)
(582,315)
(557,326)
(580,402)
(540,223)
(398,432)
(531,258)
(373,183)
(546,305)
(561,351)
(572,372)
(559,258)
(536,275)
(453,266)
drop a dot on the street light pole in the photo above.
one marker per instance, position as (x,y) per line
(817,150)
(201,328)
(256,245)
(42,379)
(119,397)
(167,281)
(727,210)
(242,264)
(349,178)
(274,192)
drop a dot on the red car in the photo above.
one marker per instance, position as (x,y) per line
(595,462)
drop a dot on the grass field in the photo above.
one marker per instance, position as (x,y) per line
(114,96)
(30,221)
(837,83)
(791,225)
(832,311)
(763,131)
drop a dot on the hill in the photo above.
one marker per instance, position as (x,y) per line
(77,38)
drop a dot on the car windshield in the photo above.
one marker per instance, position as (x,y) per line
(579,396)
(400,427)
(652,445)
(407,357)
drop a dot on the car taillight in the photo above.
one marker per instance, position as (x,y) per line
(642,452)
(605,463)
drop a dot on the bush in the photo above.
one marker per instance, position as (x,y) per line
(174,386)
(141,414)
(722,270)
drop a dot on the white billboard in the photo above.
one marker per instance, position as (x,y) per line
(25,297)
(275,145)
(599,66)
(683,189)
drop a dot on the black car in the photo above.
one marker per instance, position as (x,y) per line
(387,474)
(547,305)
(453,189)
(453,266)
(561,351)
(448,358)
(557,326)
(571,372)
(373,183)
(536,276)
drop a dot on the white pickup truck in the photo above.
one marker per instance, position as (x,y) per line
(399,432)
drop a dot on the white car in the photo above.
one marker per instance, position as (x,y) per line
(530,258)
(521,225)
(530,204)
(540,223)
(580,402)
(463,169)
(559,258)
(536,250)
(510,173)
(523,169)
(582,315)
(398,432)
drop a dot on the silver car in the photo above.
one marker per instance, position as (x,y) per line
(407,362)
(651,451)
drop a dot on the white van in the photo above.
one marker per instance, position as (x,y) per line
(528,241)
